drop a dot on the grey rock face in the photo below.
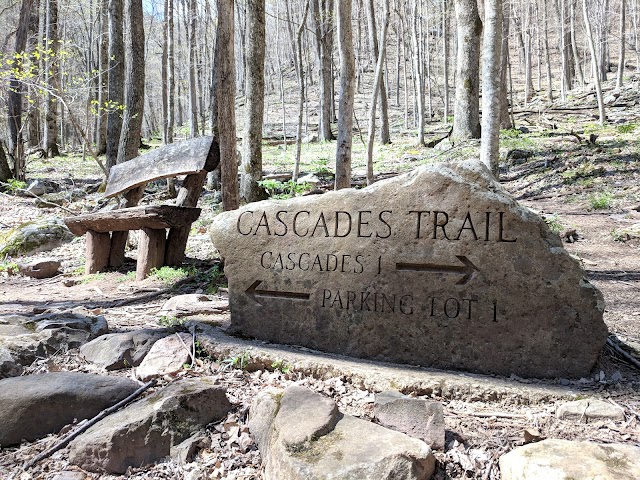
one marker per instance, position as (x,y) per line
(438,267)
(8,365)
(563,459)
(417,417)
(121,350)
(166,356)
(31,237)
(194,304)
(589,410)
(94,325)
(44,268)
(145,431)
(36,405)
(302,436)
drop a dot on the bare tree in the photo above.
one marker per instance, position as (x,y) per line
(491,59)
(301,89)
(52,73)
(193,93)
(594,61)
(347,91)
(322,16)
(620,73)
(116,80)
(14,102)
(385,136)
(225,94)
(377,83)
(466,122)
(251,172)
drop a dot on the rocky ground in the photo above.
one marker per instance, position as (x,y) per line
(584,179)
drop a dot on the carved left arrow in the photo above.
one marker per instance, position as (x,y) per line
(254,292)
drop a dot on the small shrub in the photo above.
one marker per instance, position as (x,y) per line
(238,361)
(601,200)
(14,185)
(281,366)
(171,274)
(170,321)
(554,223)
(10,268)
(626,128)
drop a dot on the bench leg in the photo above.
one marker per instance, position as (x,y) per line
(118,244)
(97,252)
(176,245)
(151,249)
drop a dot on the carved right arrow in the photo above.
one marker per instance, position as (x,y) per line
(254,292)
(467,268)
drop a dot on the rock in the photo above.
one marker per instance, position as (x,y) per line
(311,138)
(185,451)
(121,350)
(37,405)
(27,348)
(78,319)
(68,475)
(167,356)
(145,431)
(44,268)
(51,200)
(564,460)
(341,447)
(439,267)
(589,410)
(194,304)
(32,237)
(311,179)
(8,365)
(518,156)
(444,145)
(40,187)
(417,417)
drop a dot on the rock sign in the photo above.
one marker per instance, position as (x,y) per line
(438,267)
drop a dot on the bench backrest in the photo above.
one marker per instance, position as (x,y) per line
(182,158)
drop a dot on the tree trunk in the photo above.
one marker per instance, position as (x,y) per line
(251,172)
(165,75)
(134,68)
(620,73)
(322,13)
(193,93)
(301,86)
(14,102)
(418,73)
(547,53)
(385,137)
(445,62)
(103,79)
(225,93)
(347,91)
(594,61)
(52,73)
(377,83)
(116,80)
(491,60)
(505,116)
(466,121)
(171,68)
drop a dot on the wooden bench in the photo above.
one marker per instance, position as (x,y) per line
(107,231)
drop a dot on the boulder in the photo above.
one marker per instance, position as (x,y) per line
(194,304)
(145,431)
(439,267)
(167,356)
(27,348)
(417,417)
(31,237)
(79,319)
(564,460)
(121,350)
(301,435)
(8,365)
(43,268)
(36,405)
(590,410)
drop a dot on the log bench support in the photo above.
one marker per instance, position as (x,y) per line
(104,232)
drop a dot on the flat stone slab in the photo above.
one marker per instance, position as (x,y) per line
(438,267)
(145,431)
(590,410)
(36,405)
(564,460)
(302,436)
(121,350)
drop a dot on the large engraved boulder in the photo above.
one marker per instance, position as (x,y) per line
(439,267)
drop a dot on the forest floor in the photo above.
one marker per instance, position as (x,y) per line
(583,178)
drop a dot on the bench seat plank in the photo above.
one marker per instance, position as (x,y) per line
(190,156)
(135,218)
